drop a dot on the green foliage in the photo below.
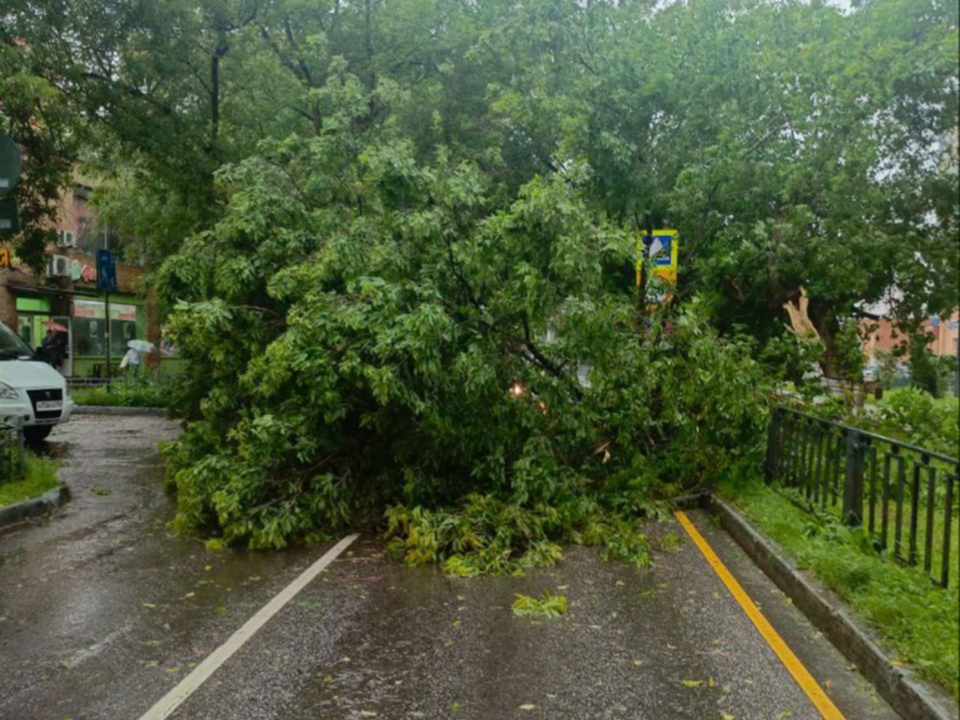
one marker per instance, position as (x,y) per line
(483,537)
(918,620)
(790,142)
(140,391)
(41,476)
(375,219)
(671,541)
(888,368)
(919,418)
(34,113)
(354,337)
(549,606)
(487,536)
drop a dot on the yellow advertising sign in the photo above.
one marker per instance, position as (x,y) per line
(660,254)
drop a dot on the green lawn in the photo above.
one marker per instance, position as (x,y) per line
(917,620)
(41,476)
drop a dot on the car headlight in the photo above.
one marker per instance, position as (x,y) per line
(8,393)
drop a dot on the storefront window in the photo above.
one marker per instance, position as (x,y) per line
(89,336)
(90,327)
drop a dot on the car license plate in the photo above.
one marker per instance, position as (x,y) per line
(47,405)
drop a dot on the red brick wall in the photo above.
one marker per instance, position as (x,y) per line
(887,338)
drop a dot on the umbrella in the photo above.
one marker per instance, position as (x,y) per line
(142,346)
(56,327)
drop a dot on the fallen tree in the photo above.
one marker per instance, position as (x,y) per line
(378,342)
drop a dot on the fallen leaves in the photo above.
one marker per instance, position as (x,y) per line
(548,606)
(699,683)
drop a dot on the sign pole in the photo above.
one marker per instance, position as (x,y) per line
(106,299)
(107,281)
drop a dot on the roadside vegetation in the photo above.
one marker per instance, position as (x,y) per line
(135,392)
(918,620)
(395,243)
(917,417)
(41,476)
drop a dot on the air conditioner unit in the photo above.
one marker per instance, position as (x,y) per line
(58,266)
(66,239)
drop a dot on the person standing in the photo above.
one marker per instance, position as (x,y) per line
(131,361)
(51,349)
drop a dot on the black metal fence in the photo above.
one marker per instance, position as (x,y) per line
(11,453)
(906,497)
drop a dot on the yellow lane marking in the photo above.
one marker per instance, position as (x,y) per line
(796,668)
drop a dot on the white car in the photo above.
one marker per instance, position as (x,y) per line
(32,394)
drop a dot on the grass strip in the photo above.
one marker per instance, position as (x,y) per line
(41,476)
(919,621)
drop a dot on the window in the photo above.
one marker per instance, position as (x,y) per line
(89,336)
(90,330)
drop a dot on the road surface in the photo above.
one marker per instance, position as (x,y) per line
(103,612)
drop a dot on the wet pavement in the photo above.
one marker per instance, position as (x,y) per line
(102,612)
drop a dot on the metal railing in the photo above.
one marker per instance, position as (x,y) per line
(83,383)
(905,497)
(12,459)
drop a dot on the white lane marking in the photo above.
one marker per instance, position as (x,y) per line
(166,706)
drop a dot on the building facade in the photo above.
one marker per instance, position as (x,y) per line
(66,293)
(881,335)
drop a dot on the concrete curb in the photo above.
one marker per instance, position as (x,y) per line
(46,503)
(114,410)
(911,697)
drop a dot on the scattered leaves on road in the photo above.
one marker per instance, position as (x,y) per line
(548,606)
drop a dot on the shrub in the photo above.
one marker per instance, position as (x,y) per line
(139,391)
(921,419)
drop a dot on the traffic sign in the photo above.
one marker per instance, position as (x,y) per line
(10,164)
(106,271)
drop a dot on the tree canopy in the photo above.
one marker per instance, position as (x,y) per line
(373,218)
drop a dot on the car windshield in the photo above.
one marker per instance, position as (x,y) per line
(11,345)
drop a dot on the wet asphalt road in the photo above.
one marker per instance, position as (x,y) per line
(102,611)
